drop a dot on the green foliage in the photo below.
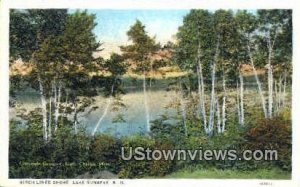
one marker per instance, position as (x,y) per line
(163,130)
(68,155)
(133,168)
(162,167)
(29,28)
(60,47)
(141,168)
(200,173)
(272,134)
(196,31)
(141,49)
(32,157)
(105,149)
(115,65)
(79,41)
(104,152)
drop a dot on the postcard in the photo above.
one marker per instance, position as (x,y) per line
(118,94)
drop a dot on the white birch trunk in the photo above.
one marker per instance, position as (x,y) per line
(201,90)
(50,118)
(146,104)
(75,118)
(270,71)
(279,97)
(270,83)
(183,113)
(105,111)
(218,117)
(284,89)
(57,104)
(212,99)
(238,103)
(224,104)
(242,117)
(276,96)
(54,89)
(151,71)
(258,83)
(44,109)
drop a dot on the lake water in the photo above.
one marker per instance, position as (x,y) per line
(133,114)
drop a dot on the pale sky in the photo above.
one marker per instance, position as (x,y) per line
(112,25)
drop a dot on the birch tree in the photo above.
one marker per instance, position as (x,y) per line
(247,26)
(261,34)
(227,45)
(194,51)
(57,41)
(139,52)
(246,23)
(116,67)
(275,46)
(31,30)
(204,46)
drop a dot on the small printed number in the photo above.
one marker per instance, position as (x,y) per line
(266,183)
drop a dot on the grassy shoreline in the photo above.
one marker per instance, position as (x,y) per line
(274,173)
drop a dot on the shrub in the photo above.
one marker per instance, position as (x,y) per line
(272,134)
(105,150)
(142,168)
(162,167)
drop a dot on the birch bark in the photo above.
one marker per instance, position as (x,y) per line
(201,88)
(212,99)
(224,104)
(57,104)
(270,78)
(218,117)
(50,118)
(284,89)
(44,108)
(258,83)
(105,111)
(146,103)
(242,99)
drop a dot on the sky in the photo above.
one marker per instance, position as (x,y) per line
(112,26)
